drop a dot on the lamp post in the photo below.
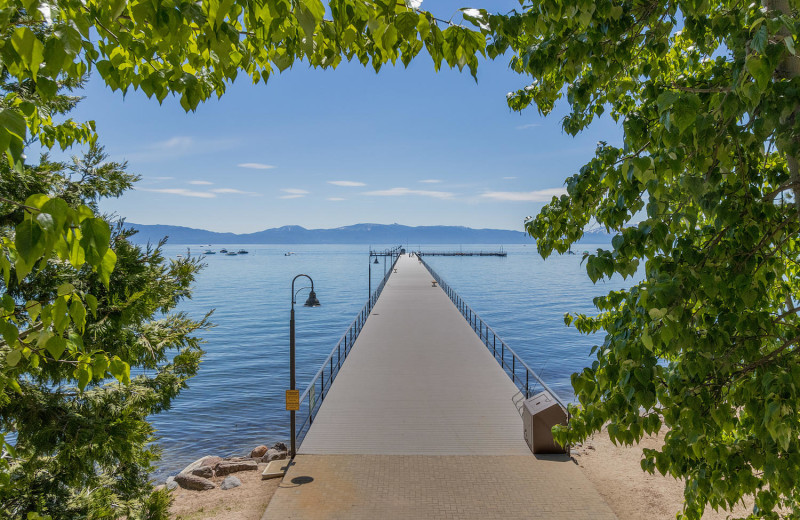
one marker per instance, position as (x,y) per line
(312,301)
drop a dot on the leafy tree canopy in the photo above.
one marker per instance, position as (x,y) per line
(702,193)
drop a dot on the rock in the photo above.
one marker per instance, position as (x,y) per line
(189,481)
(203,471)
(273,454)
(171,484)
(196,464)
(230,482)
(258,452)
(211,460)
(159,487)
(226,468)
(280,447)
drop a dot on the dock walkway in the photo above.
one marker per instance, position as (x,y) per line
(421,424)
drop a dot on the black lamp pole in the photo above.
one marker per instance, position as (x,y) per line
(310,302)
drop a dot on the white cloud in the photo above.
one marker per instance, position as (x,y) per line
(509,178)
(179,146)
(526,196)
(180,191)
(255,166)
(529,125)
(178,142)
(201,183)
(431,181)
(293,193)
(233,191)
(400,192)
(336,198)
(346,183)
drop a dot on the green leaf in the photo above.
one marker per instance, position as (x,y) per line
(100,365)
(29,241)
(34,308)
(13,357)
(84,375)
(78,314)
(91,301)
(58,209)
(666,99)
(120,370)
(759,43)
(95,239)
(13,122)
(56,346)
(760,69)
(65,289)
(106,267)
(29,48)
(789,41)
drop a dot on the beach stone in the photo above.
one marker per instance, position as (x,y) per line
(189,481)
(280,446)
(226,468)
(203,471)
(258,452)
(196,464)
(230,482)
(170,483)
(210,460)
(273,454)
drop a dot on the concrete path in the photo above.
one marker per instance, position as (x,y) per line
(421,424)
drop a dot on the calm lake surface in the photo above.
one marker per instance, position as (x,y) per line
(236,401)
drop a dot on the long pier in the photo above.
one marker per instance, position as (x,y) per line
(462,253)
(420,422)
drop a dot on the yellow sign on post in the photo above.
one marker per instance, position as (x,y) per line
(293,400)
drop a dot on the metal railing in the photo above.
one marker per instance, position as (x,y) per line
(311,399)
(520,373)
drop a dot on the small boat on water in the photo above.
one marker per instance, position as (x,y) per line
(209,252)
(290,253)
(231,253)
(223,250)
(243,252)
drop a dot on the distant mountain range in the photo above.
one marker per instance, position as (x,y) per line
(355,234)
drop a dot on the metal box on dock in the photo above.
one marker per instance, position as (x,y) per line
(539,414)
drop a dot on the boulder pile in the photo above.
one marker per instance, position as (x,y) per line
(197,475)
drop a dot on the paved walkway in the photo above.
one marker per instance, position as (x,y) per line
(420,424)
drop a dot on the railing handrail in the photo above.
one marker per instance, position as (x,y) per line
(454,297)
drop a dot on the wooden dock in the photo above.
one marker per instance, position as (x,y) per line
(421,423)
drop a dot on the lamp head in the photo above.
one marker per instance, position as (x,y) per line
(376,260)
(312,300)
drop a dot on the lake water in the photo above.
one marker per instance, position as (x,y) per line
(236,401)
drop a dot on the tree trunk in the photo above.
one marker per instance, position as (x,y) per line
(788,69)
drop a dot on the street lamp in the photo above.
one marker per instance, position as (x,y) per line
(312,301)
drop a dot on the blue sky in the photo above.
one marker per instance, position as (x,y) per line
(324,149)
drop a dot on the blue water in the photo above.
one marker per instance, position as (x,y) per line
(237,399)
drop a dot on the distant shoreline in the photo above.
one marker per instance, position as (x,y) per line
(355,234)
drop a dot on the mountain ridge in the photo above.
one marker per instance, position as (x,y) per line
(362,233)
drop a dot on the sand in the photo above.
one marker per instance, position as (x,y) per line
(246,502)
(630,492)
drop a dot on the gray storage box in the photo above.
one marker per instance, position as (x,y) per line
(539,414)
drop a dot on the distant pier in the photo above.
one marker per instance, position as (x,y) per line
(462,253)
